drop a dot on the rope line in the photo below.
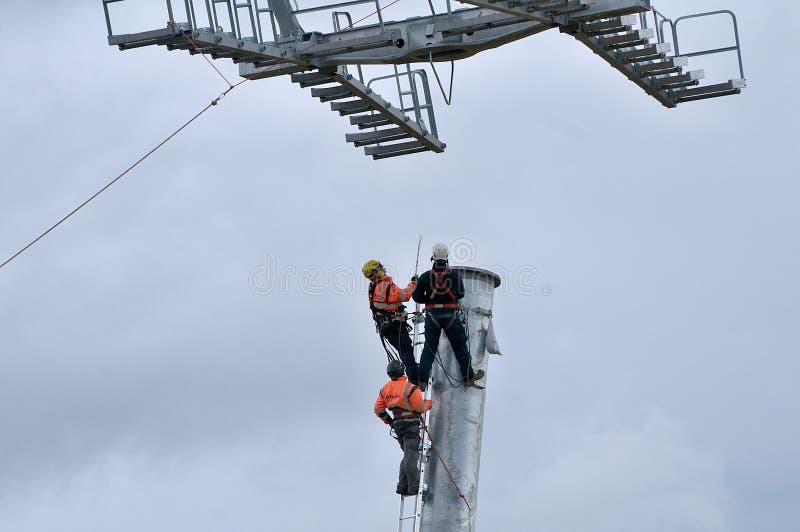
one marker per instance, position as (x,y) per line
(231,87)
(439,456)
(108,185)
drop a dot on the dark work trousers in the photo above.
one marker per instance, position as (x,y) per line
(445,320)
(396,333)
(407,431)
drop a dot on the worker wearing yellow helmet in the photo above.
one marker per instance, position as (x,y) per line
(386,303)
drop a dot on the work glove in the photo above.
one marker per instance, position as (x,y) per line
(414,279)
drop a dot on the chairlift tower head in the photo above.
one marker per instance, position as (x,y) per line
(631,35)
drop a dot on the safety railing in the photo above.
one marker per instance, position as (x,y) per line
(243,19)
(422,108)
(736,48)
(230,17)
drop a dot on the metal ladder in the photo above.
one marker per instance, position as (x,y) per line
(367,110)
(643,55)
(425,448)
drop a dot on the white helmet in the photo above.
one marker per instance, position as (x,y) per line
(440,251)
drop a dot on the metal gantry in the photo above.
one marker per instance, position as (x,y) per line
(271,38)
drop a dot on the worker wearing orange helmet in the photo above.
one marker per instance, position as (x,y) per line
(386,302)
(405,403)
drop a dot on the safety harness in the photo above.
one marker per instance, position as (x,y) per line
(382,316)
(441,286)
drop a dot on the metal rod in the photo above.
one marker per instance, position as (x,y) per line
(211,22)
(189,14)
(108,19)
(414,96)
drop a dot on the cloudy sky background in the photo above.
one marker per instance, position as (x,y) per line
(649,380)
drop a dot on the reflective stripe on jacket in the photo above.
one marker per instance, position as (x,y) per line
(387,296)
(399,394)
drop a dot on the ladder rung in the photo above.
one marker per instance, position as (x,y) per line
(638,54)
(692,75)
(375,137)
(720,87)
(350,107)
(310,79)
(608,24)
(616,41)
(653,67)
(394,150)
(327,94)
(719,94)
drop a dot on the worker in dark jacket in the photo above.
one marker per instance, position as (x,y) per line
(406,404)
(440,289)
(386,303)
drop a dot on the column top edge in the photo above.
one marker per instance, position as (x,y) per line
(469,271)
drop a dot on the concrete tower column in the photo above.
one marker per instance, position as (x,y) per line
(456,420)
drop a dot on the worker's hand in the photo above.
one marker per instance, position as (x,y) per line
(414,279)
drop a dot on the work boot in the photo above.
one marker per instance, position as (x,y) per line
(401,491)
(478,375)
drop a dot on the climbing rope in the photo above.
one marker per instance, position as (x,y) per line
(454,381)
(444,465)
(213,103)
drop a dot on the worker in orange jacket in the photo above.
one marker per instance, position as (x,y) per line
(406,404)
(386,303)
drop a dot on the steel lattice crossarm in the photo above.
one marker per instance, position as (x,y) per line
(270,40)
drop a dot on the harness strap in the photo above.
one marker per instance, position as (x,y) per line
(440,286)
(434,306)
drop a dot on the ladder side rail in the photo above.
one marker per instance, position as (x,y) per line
(216,25)
(430,3)
(412,86)
(238,21)
(257,15)
(660,20)
(233,18)
(170,14)
(212,21)
(737,48)
(399,89)
(190,14)
(252,15)
(272,22)
(428,102)
(108,17)
(427,107)
(380,13)
(337,27)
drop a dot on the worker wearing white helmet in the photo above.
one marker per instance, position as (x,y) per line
(440,289)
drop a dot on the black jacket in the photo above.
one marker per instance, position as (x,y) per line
(448,289)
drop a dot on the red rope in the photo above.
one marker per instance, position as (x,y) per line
(231,86)
(449,474)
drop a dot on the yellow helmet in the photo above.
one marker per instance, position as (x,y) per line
(372,269)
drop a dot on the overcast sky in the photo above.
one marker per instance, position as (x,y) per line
(152,378)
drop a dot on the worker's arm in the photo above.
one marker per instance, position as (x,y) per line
(380,409)
(458,286)
(420,294)
(400,295)
(418,403)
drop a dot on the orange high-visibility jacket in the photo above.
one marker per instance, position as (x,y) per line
(401,397)
(387,296)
